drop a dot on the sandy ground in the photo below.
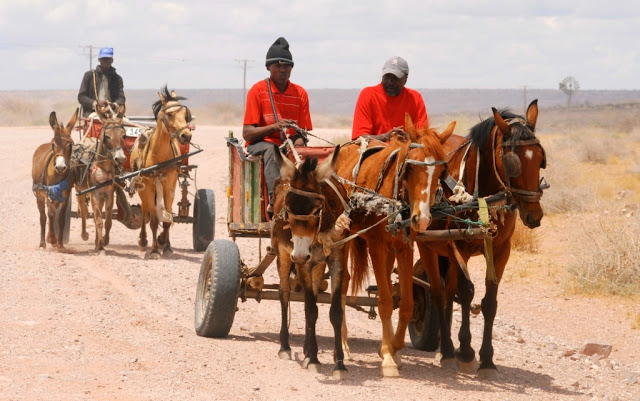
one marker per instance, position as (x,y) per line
(75,325)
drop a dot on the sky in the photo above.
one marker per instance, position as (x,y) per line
(336,44)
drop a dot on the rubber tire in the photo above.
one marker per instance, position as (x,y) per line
(67,224)
(424,328)
(221,266)
(204,219)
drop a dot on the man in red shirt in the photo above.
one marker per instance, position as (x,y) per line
(380,109)
(272,105)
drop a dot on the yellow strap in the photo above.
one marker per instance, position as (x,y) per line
(483,213)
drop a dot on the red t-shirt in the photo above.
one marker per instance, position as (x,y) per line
(377,113)
(293,104)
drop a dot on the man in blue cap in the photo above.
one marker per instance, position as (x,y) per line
(102,86)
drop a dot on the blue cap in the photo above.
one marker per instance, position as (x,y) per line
(106,52)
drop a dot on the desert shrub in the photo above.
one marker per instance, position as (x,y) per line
(569,192)
(525,239)
(606,256)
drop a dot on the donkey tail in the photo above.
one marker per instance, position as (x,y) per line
(359,264)
(162,213)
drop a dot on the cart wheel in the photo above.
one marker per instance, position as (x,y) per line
(217,292)
(204,219)
(424,328)
(67,223)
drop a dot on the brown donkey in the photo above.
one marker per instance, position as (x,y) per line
(98,161)
(51,174)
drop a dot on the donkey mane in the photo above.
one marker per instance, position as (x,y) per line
(480,132)
(157,106)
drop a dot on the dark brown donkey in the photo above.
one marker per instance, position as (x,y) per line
(97,160)
(501,157)
(308,219)
(51,179)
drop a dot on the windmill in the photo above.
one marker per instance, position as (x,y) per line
(569,86)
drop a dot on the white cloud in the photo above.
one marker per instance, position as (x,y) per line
(335,43)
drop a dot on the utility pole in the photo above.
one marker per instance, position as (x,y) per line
(90,47)
(244,82)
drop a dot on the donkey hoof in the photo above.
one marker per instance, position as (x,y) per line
(155,255)
(313,367)
(339,374)
(449,364)
(101,252)
(285,355)
(488,374)
(389,371)
(167,252)
(85,236)
(468,367)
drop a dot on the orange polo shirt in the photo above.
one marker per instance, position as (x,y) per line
(293,104)
(377,113)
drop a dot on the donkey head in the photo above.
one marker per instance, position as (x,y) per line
(175,116)
(114,134)
(62,144)
(519,158)
(424,166)
(304,201)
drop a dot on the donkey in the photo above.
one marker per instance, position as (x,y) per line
(310,215)
(50,172)
(98,161)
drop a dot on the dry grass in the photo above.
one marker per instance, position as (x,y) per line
(606,255)
(525,239)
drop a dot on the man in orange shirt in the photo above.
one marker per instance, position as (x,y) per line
(381,109)
(273,105)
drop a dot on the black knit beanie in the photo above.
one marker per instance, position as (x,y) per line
(279,51)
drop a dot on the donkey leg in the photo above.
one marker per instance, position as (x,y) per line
(97,218)
(165,243)
(431,266)
(84,214)
(43,219)
(337,266)
(404,258)
(343,301)
(153,224)
(465,354)
(310,349)
(51,214)
(382,261)
(488,369)
(108,218)
(283,262)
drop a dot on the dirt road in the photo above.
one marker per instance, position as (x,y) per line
(78,326)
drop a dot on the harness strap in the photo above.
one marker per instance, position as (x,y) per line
(483,213)
(273,107)
(345,205)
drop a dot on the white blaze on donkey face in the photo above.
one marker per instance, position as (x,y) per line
(424,207)
(60,164)
(301,244)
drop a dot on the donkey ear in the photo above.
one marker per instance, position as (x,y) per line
(532,114)
(502,125)
(162,99)
(447,132)
(53,120)
(73,120)
(121,110)
(287,168)
(173,94)
(410,128)
(325,170)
